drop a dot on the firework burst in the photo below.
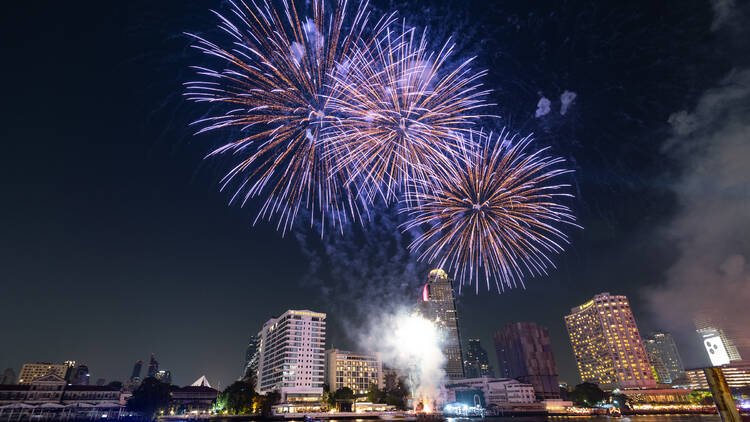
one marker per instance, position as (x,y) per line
(493,213)
(274,89)
(403,110)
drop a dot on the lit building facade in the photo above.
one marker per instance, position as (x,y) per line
(291,356)
(477,364)
(731,331)
(664,357)
(496,391)
(356,371)
(607,345)
(737,374)
(31,371)
(437,303)
(525,350)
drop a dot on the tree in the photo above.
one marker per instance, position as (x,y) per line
(328,397)
(150,397)
(587,394)
(268,401)
(397,395)
(375,395)
(344,397)
(236,399)
(620,400)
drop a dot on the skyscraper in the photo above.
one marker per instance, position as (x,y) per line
(525,351)
(607,345)
(79,375)
(730,332)
(438,304)
(663,354)
(291,358)
(136,374)
(477,363)
(153,366)
(251,359)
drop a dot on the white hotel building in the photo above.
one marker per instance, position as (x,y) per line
(291,357)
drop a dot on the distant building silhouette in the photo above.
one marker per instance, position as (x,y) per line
(9,377)
(477,363)
(437,303)
(153,366)
(136,374)
(251,357)
(525,351)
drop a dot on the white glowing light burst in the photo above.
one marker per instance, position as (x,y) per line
(414,345)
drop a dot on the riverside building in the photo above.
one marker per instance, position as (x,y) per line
(291,356)
(607,345)
(357,371)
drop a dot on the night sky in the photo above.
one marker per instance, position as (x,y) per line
(115,241)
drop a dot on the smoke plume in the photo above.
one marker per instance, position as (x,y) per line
(711,276)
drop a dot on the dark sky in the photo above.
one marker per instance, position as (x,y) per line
(116,243)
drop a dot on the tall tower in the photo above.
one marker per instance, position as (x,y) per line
(607,345)
(153,366)
(729,331)
(663,354)
(437,303)
(136,375)
(525,352)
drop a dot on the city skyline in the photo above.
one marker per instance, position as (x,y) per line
(667,349)
(117,241)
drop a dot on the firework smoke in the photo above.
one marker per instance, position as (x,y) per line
(711,275)
(412,345)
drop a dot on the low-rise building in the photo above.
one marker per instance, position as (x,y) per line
(357,371)
(31,371)
(54,389)
(496,391)
(193,399)
(737,374)
(659,395)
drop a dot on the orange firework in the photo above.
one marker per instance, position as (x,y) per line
(275,83)
(492,212)
(403,110)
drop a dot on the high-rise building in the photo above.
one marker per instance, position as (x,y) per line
(664,357)
(477,364)
(357,371)
(251,357)
(8,377)
(437,303)
(30,371)
(153,366)
(607,345)
(708,324)
(291,358)
(525,350)
(136,374)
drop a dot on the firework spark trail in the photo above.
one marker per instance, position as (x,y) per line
(403,110)
(492,212)
(276,82)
